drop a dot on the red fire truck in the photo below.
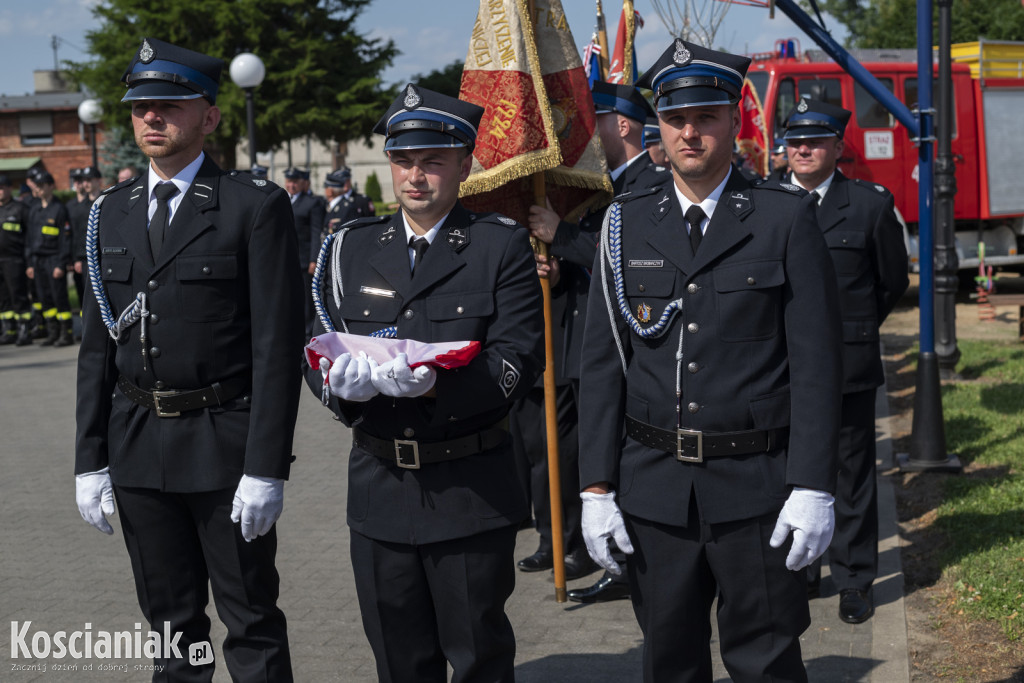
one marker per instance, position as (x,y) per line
(988,140)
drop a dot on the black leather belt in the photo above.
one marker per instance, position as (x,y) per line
(691,445)
(174,403)
(411,454)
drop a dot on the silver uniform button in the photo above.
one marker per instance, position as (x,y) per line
(460,310)
(642,288)
(152,285)
(408,432)
(693,407)
(366,313)
(206,270)
(159,385)
(693,367)
(751,281)
(692,288)
(155,352)
(153,319)
(408,314)
(692,327)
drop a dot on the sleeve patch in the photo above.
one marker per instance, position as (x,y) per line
(509,377)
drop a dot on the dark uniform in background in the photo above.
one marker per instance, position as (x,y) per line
(48,247)
(17,312)
(190,415)
(343,203)
(865,241)
(433,500)
(86,188)
(309,220)
(716,423)
(779,162)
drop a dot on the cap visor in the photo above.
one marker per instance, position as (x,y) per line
(422,139)
(805,132)
(159,90)
(696,96)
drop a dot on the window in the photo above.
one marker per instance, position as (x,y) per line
(910,98)
(783,105)
(36,129)
(822,89)
(870,112)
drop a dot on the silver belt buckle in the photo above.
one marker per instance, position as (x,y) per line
(157,395)
(403,458)
(682,457)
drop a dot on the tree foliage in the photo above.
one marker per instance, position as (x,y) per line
(323,77)
(893,23)
(373,190)
(446,81)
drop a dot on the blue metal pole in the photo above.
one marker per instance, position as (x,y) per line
(926,172)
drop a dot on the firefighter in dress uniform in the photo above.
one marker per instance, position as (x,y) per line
(309,221)
(710,393)
(188,385)
(865,241)
(433,500)
(343,203)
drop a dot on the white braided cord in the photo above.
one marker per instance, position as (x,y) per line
(136,310)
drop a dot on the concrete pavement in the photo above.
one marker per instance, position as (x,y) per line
(61,574)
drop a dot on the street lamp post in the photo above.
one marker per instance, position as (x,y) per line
(90,112)
(247,72)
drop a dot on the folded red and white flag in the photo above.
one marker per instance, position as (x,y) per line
(446,355)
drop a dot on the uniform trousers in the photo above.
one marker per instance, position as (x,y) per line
(853,553)
(425,605)
(51,291)
(309,311)
(180,542)
(15,284)
(528,423)
(675,574)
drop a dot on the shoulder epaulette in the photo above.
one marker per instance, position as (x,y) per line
(121,185)
(494,217)
(874,187)
(364,221)
(634,194)
(247,179)
(788,188)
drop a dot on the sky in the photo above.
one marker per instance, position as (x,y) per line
(431,33)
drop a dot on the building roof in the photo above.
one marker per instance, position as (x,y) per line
(42,101)
(18,163)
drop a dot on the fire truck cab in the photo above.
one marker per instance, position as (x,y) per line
(988,144)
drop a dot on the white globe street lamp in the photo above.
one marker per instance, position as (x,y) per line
(90,112)
(247,72)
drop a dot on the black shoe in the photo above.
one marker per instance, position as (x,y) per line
(607,588)
(855,606)
(538,562)
(578,565)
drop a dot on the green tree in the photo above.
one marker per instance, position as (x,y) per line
(119,150)
(446,81)
(373,190)
(323,78)
(893,23)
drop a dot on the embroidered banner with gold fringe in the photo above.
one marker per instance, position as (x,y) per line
(753,137)
(538,113)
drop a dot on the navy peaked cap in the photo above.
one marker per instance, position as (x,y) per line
(816,119)
(259,171)
(622,99)
(161,71)
(421,118)
(688,75)
(295,173)
(652,131)
(338,177)
(89,172)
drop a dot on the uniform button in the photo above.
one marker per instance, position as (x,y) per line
(692,288)
(159,385)
(751,281)
(575,312)
(155,352)
(408,432)
(152,285)
(247,399)
(693,407)
(206,270)
(844,241)
(642,288)
(366,312)
(460,310)
(693,367)
(408,314)
(110,271)
(693,328)
(153,319)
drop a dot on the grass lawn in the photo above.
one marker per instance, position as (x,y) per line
(982,514)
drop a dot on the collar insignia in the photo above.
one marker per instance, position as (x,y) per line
(259,182)
(387,235)
(643,313)
(412,98)
(681,56)
(457,238)
(789,186)
(802,106)
(506,220)
(146,52)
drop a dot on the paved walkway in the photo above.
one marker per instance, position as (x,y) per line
(61,574)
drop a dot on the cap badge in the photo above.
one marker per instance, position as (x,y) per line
(412,98)
(643,313)
(802,106)
(146,52)
(681,56)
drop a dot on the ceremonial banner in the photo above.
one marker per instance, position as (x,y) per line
(623,67)
(538,113)
(592,62)
(753,137)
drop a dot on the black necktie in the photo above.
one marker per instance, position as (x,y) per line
(694,216)
(816,197)
(419,246)
(157,226)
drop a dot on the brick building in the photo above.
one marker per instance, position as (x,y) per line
(43,130)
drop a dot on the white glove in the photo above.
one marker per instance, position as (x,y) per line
(257,505)
(602,520)
(349,378)
(95,497)
(810,516)
(396,378)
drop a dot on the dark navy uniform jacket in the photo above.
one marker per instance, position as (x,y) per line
(309,222)
(13,226)
(476,282)
(226,302)
(347,209)
(48,236)
(760,350)
(865,240)
(78,219)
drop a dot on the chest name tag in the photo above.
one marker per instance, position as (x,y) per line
(51,230)
(646,263)
(377,292)
(115,250)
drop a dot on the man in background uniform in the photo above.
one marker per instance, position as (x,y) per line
(48,252)
(17,313)
(779,161)
(710,393)
(86,184)
(186,421)
(433,505)
(652,142)
(343,203)
(308,210)
(865,241)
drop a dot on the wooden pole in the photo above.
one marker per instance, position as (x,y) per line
(602,41)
